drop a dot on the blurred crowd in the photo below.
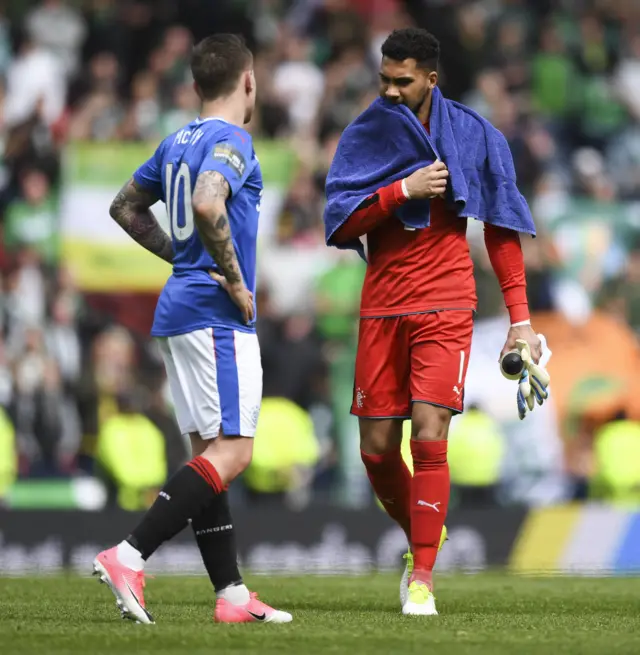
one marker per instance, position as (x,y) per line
(561,80)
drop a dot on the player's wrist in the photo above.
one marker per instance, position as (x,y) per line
(517,305)
(519,315)
(235,284)
(391,197)
(404,189)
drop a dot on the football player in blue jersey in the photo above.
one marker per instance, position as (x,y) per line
(209,177)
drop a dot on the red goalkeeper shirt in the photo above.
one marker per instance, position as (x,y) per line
(412,271)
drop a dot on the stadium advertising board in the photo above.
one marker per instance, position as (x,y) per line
(320,540)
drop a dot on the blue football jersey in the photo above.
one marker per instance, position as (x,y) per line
(191,300)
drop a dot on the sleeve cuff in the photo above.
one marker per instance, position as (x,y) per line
(516,302)
(392,197)
(518,313)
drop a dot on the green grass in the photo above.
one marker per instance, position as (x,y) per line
(492,614)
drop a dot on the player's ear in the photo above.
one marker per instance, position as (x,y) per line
(249,82)
(433,79)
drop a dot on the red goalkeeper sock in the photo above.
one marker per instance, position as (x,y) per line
(391,482)
(429,502)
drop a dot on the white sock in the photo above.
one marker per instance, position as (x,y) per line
(236,594)
(130,557)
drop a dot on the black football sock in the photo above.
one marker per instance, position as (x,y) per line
(186,494)
(215,537)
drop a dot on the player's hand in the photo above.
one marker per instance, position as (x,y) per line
(240,295)
(533,385)
(526,333)
(428,182)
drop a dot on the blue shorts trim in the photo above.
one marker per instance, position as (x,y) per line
(224,348)
(430,402)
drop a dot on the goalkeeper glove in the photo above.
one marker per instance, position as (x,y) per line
(533,385)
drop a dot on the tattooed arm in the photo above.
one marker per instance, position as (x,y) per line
(210,212)
(130,210)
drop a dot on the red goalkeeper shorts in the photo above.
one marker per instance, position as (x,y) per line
(412,358)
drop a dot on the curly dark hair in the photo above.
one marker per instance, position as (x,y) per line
(413,43)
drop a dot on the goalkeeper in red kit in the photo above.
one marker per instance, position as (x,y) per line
(416,322)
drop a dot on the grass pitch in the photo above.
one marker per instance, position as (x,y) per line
(492,614)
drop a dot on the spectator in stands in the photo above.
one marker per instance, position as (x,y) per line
(5,42)
(176,45)
(38,403)
(6,378)
(298,362)
(620,296)
(99,117)
(299,83)
(32,220)
(617,453)
(131,453)
(35,84)
(107,373)
(300,217)
(8,454)
(285,454)
(60,29)
(477,448)
(102,74)
(182,109)
(338,299)
(25,296)
(158,411)
(62,339)
(553,83)
(143,115)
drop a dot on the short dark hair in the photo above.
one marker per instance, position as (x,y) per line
(413,43)
(217,63)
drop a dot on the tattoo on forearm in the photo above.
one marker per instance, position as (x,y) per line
(210,195)
(130,209)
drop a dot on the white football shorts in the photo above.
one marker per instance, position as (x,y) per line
(215,377)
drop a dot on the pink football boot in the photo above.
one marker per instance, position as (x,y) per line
(255,611)
(126,584)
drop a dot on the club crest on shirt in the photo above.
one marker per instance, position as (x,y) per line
(229,155)
(255,414)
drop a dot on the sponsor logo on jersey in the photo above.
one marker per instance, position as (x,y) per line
(229,155)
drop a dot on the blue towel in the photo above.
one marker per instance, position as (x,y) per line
(387,143)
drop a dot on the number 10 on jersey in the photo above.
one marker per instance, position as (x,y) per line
(178,195)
